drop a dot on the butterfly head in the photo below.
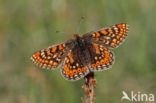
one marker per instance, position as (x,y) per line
(76,35)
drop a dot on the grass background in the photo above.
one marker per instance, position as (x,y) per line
(27,26)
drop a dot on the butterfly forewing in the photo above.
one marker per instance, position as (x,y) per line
(111,36)
(52,56)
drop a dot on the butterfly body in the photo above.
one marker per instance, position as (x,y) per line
(83,54)
(81,49)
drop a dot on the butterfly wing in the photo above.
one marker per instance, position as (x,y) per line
(101,57)
(52,56)
(73,68)
(111,36)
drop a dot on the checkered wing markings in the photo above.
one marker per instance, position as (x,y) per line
(111,36)
(101,58)
(50,57)
(73,68)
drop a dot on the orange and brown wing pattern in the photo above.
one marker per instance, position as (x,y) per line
(50,57)
(101,58)
(111,36)
(73,68)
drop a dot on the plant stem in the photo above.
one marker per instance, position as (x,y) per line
(90,84)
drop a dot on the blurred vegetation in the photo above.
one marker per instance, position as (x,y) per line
(27,26)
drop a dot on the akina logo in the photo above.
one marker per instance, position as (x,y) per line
(137,97)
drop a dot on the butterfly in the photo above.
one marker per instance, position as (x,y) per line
(83,54)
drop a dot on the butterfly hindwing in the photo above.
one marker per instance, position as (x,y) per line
(73,68)
(101,58)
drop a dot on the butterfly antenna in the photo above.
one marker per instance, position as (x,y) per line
(78,28)
(57,31)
